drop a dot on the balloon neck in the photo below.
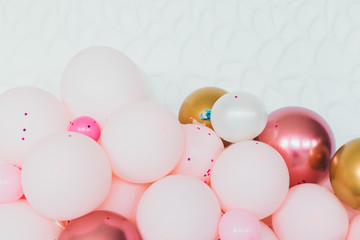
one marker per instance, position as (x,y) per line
(206,115)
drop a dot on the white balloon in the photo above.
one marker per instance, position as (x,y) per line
(28,114)
(18,221)
(66,175)
(98,80)
(238,116)
(178,207)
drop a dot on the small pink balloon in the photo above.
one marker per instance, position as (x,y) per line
(10,183)
(238,224)
(102,224)
(87,126)
(305,141)
(202,147)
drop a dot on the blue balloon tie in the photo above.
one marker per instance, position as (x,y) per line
(207,115)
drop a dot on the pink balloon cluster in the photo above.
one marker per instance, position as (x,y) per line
(105,163)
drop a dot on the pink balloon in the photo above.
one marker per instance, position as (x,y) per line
(66,175)
(98,225)
(305,141)
(239,224)
(28,114)
(250,175)
(354,228)
(310,212)
(123,198)
(144,142)
(10,183)
(99,80)
(202,147)
(18,221)
(178,207)
(266,233)
(87,126)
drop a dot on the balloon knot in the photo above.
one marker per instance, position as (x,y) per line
(207,115)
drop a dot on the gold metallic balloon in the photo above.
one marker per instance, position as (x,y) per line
(345,173)
(197,104)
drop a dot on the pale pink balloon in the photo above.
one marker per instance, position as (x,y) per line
(202,147)
(178,207)
(250,175)
(28,114)
(98,80)
(354,228)
(19,221)
(66,175)
(123,198)
(10,183)
(266,233)
(239,224)
(311,212)
(87,126)
(144,142)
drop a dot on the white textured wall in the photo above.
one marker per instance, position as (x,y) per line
(287,52)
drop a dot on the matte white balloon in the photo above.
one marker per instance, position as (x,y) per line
(19,221)
(144,142)
(250,175)
(178,207)
(310,212)
(66,175)
(238,116)
(28,114)
(98,80)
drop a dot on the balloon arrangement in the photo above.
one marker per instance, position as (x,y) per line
(105,163)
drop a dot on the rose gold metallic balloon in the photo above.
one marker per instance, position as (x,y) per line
(345,173)
(305,141)
(104,225)
(197,103)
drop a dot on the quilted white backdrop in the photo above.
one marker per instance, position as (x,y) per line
(287,52)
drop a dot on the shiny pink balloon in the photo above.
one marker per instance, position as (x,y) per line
(105,225)
(239,224)
(87,126)
(305,141)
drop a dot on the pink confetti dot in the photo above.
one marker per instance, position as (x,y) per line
(24,130)
(235,96)
(188,159)
(276,125)
(212,160)
(209,133)
(25,114)
(198,128)
(23,139)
